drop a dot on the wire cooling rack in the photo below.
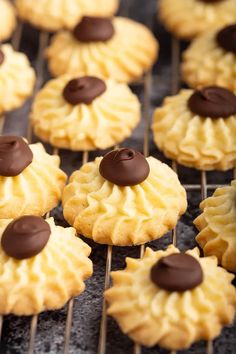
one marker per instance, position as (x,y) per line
(202,186)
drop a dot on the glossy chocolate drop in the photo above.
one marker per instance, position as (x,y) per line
(213,102)
(226,38)
(2,57)
(83,90)
(177,272)
(25,237)
(15,155)
(94,29)
(124,167)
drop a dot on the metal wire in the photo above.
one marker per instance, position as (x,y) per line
(2,121)
(103,326)
(1,324)
(69,318)
(33,331)
(16,39)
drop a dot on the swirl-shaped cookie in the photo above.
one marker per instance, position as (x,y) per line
(29,184)
(97,120)
(205,62)
(124,57)
(17,78)
(47,280)
(189,18)
(204,139)
(217,226)
(150,314)
(57,14)
(7,19)
(135,210)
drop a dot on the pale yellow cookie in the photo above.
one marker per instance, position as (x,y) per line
(206,63)
(151,315)
(191,139)
(125,57)
(7,19)
(123,216)
(47,280)
(17,78)
(36,190)
(108,120)
(189,18)
(53,15)
(217,226)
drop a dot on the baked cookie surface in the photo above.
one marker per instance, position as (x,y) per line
(124,51)
(208,61)
(85,113)
(7,19)
(217,226)
(17,78)
(125,205)
(187,19)
(201,136)
(41,265)
(31,181)
(157,300)
(54,15)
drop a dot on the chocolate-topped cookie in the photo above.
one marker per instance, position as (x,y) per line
(194,298)
(213,102)
(226,38)
(17,78)
(124,167)
(25,237)
(198,128)
(187,19)
(43,265)
(210,59)
(31,181)
(86,112)
(177,272)
(15,155)
(83,90)
(123,199)
(113,48)
(94,29)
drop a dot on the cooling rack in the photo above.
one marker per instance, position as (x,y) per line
(28,335)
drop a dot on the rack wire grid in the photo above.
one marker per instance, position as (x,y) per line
(29,335)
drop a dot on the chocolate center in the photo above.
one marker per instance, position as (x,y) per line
(15,155)
(83,90)
(226,38)
(2,57)
(124,167)
(25,237)
(177,272)
(213,102)
(94,29)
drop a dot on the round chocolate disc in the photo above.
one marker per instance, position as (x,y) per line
(124,167)
(25,237)
(213,102)
(226,38)
(177,272)
(94,29)
(2,57)
(83,90)
(15,155)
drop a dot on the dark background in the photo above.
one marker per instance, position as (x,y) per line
(87,308)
